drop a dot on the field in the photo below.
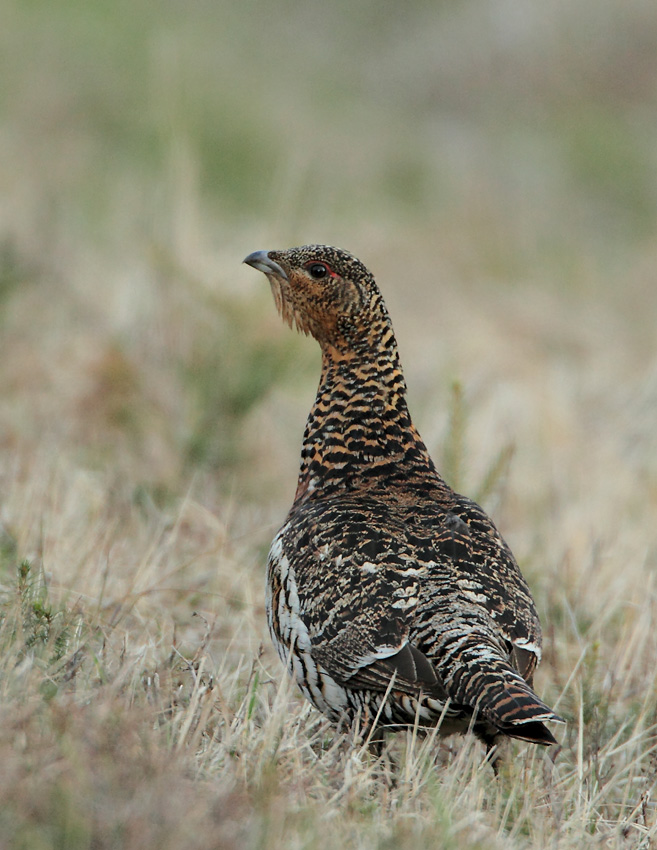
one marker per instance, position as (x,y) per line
(495,165)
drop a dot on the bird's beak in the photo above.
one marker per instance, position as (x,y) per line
(262,261)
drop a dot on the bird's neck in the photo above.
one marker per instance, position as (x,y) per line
(359,434)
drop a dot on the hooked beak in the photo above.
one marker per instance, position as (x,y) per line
(262,261)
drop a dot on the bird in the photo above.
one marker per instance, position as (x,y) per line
(392,600)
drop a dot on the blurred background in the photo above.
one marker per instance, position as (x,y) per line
(494,164)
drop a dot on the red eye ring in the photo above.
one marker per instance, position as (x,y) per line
(318,270)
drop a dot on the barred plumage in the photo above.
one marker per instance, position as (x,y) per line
(388,593)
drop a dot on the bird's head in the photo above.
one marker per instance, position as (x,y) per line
(325,292)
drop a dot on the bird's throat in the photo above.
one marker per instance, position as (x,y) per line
(359,430)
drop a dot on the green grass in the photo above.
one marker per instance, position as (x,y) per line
(494,170)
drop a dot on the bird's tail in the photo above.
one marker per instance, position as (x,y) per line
(513,707)
(483,680)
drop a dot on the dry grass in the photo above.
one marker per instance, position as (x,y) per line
(151,403)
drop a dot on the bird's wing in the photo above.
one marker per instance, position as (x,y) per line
(412,671)
(484,573)
(358,591)
(373,648)
(366,641)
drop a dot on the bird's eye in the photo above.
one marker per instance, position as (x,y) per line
(317,270)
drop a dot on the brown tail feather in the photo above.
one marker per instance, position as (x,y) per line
(501,695)
(534,732)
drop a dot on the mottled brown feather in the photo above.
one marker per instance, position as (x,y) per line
(389,595)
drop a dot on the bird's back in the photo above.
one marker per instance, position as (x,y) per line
(375,572)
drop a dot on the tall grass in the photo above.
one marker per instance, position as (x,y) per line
(492,166)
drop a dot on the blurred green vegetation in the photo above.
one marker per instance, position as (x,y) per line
(374,113)
(131,130)
(510,145)
(229,370)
